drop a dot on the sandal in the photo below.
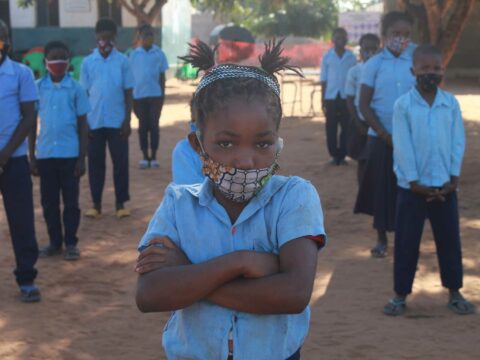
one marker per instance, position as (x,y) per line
(72,253)
(379,251)
(460,306)
(395,307)
(49,251)
(29,294)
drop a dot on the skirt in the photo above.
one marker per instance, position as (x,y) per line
(378,188)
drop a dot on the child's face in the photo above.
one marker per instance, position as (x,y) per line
(243,136)
(340,39)
(147,39)
(428,64)
(368,48)
(105,42)
(399,29)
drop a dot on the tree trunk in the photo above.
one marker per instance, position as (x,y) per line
(139,9)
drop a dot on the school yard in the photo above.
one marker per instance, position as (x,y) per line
(88,309)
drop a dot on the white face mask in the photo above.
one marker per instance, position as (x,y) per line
(236,184)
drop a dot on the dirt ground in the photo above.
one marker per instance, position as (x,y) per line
(88,309)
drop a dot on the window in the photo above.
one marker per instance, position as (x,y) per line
(47,13)
(110,9)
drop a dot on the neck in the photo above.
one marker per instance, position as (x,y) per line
(339,50)
(394,53)
(428,96)
(57,78)
(233,209)
(147,47)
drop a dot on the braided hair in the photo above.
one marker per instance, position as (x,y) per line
(215,95)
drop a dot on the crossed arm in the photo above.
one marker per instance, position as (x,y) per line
(245,281)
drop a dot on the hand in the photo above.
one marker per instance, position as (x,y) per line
(324,107)
(125,129)
(80,167)
(159,257)
(448,188)
(260,264)
(3,159)
(426,192)
(34,167)
(387,138)
(362,127)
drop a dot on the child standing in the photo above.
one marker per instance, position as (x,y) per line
(18,95)
(429,142)
(385,77)
(227,258)
(107,77)
(149,64)
(333,75)
(357,132)
(61,150)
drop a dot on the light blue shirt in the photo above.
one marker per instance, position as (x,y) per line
(390,77)
(285,209)
(334,72)
(352,87)
(17,85)
(147,67)
(59,107)
(106,81)
(186,164)
(428,142)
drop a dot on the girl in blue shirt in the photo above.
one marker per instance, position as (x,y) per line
(385,77)
(235,257)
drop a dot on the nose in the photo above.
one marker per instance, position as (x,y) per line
(245,160)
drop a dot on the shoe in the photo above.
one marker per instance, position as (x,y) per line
(154,164)
(122,213)
(93,213)
(342,162)
(49,251)
(333,162)
(143,164)
(29,293)
(72,253)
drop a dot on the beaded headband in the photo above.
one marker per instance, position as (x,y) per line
(232,71)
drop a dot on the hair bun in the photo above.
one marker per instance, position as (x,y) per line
(272,61)
(201,56)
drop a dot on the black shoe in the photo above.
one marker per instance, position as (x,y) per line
(49,250)
(29,294)
(72,253)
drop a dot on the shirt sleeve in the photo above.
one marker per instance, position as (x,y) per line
(184,170)
(369,73)
(84,76)
(351,83)
(163,222)
(163,62)
(324,68)
(301,214)
(82,103)
(458,141)
(127,74)
(28,90)
(404,154)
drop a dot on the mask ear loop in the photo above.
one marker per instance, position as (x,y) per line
(198,135)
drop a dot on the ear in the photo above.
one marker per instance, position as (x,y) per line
(194,142)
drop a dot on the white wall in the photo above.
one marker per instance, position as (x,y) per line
(22,18)
(128,20)
(78,13)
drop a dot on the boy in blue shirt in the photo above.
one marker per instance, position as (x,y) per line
(61,150)
(149,64)
(333,75)
(357,132)
(429,143)
(18,95)
(107,77)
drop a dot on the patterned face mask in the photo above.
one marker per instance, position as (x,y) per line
(397,44)
(236,184)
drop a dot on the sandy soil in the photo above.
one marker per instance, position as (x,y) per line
(88,309)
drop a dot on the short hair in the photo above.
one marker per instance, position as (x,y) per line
(55,45)
(425,49)
(339,30)
(105,24)
(392,17)
(144,28)
(369,36)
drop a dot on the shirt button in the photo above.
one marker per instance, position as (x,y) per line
(234,230)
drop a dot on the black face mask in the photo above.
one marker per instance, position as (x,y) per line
(429,82)
(4,52)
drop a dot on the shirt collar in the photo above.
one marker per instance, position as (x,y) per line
(65,83)
(98,56)
(405,55)
(440,98)
(7,67)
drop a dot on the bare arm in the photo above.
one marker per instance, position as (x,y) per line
(126,129)
(162,83)
(366,95)
(361,125)
(323,85)
(287,292)
(82,127)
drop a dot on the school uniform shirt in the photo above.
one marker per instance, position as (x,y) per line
(147,67)
(352,86)
(285,209)
(17,85)
(334,71)
(106,80)
(59,107)
(429,141)
(186,164)
(390,77)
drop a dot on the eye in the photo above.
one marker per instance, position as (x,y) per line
(225,144)
(264,145)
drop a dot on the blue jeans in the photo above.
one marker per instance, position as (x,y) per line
(16,189)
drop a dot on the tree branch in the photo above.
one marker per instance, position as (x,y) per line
(432,9)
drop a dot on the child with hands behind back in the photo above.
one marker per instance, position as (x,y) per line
(235,257)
